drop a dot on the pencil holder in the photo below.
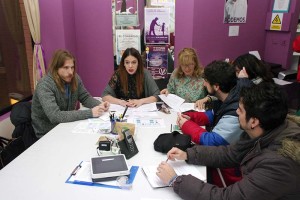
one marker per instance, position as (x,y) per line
(112,127)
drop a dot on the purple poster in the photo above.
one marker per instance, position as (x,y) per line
(157,22)
(157,61)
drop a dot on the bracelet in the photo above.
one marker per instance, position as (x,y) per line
(173,179)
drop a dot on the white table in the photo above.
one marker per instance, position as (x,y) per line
(41,171)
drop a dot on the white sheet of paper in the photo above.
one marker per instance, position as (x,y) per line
(180,167)
(92,126)
(281,82)
(188,106)
(172,100)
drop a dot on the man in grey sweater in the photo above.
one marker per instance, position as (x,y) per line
(268,153)
(57,93)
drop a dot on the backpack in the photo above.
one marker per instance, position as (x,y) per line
(10,149)
(166,141)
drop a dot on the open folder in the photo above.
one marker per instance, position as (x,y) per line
(180,167)
(81,175)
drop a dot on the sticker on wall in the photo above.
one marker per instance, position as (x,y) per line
(235,11)
(276,21)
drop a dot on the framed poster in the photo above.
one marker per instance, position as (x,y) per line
(157,21)
(126,13)
(235,11)
(281,6)
(157,61)
(127,39)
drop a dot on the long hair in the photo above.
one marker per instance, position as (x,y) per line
(254,67)
(58,60)
(189,56)
(139,74)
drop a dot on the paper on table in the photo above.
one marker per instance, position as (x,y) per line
(189,106)
(144,108)
(172,100)
(92,126)
(180,167)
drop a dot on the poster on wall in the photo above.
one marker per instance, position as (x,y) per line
(235,11)
(281,6)
(156,28)
(126,13)
(127,39)
(157,61)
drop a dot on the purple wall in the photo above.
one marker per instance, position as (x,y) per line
(85,28)
(278,44)
(203,28)
(93,27)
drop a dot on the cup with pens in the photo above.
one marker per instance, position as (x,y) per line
(114,118)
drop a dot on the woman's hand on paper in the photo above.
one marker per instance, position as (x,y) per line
(164,91)
(165,172)
(135,102)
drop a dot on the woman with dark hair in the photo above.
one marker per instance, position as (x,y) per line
(131,85)
(255,69)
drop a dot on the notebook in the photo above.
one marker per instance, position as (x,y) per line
(180,167)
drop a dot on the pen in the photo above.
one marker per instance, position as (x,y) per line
(75,170)
(123,115)
(171,128)
(167,159)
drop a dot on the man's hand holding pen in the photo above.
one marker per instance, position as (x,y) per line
(164,171)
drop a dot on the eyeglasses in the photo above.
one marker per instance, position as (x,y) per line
(188,66)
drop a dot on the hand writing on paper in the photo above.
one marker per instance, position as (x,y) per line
(181,119)
(176,153)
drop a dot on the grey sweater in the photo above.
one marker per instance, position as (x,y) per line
(50,106)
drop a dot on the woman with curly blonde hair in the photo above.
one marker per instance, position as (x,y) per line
(186,80)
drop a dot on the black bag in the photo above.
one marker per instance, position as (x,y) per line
(10,149)
(164,142)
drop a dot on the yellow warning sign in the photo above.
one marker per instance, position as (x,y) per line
(276,20)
